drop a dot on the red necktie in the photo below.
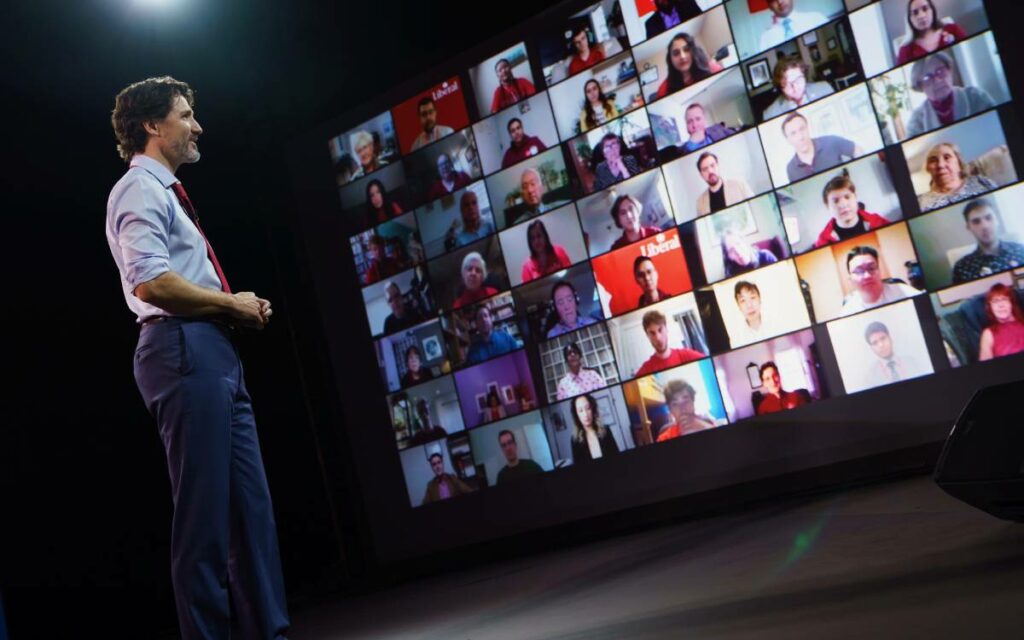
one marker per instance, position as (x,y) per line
(186,204)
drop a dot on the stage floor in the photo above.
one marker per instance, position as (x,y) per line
(899,560)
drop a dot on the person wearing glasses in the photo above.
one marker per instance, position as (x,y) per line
(946,103)
(790,78)
(869,289)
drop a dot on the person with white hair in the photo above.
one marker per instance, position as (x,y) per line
(369,161)
(474,273)
(947,102)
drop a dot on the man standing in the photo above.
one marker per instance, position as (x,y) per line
(721,193)
(515,467)
(432,132)
(889,366)
(656,327)
(812,155)
(787,23)
(523,146)
(869,288)
(488,343)
(993,254)
(223,537)
(701,135)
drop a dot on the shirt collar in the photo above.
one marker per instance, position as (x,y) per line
(159,171)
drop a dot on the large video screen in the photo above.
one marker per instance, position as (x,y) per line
(651,220)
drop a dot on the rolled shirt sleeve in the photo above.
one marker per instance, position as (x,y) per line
(141,226)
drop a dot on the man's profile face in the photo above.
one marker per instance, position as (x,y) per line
(983,225)
(781,8)
(428,116)
(508,447)
(646,276)
(709,171)
(179,131)
(866,276)
(531,188)
(515,131)
(695,123)
(881,344)
(657,334)
(437,465)
(749,302)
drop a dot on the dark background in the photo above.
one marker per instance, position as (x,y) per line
(84,498)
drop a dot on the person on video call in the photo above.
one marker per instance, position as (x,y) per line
(993,254)
(495,410)
(586,55)
(790,79)
(432,132)
(680,396)
(755,326)
(366,150)
(442,485)
(474,225)
(869,290)
(415,372)
(488,341)
(474,276)
(591,440)
(544,257)
(774,398)
(531,188)
(522,146)
(613,161)
(950,182)
(646,276)
(566,304)
(515,467)
(1004,334)
(577,380)
(656,328)
(510,89)
(701,135)
(889,364)
(787,22)
(669,14)
(946,102)
(448,178)
(812,155)
(401,317)
(597,107)
(849,217)
(379,265)
(928,32)
(740,256)
(427,431)
(380,208)
(627,212)
(721,192)
(687,64)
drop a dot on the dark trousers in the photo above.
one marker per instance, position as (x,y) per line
(223,537)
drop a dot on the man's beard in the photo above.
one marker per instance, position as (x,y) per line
(188,153)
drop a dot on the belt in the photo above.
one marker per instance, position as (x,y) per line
(218,320)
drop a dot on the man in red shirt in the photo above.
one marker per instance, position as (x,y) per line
(586,56)
(523,146)
(510,89)
(656,328)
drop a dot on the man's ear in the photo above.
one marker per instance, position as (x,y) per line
(152,127)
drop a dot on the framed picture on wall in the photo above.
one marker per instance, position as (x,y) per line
(759,73)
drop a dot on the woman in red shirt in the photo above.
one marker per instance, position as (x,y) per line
(544,257)
(927,32)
